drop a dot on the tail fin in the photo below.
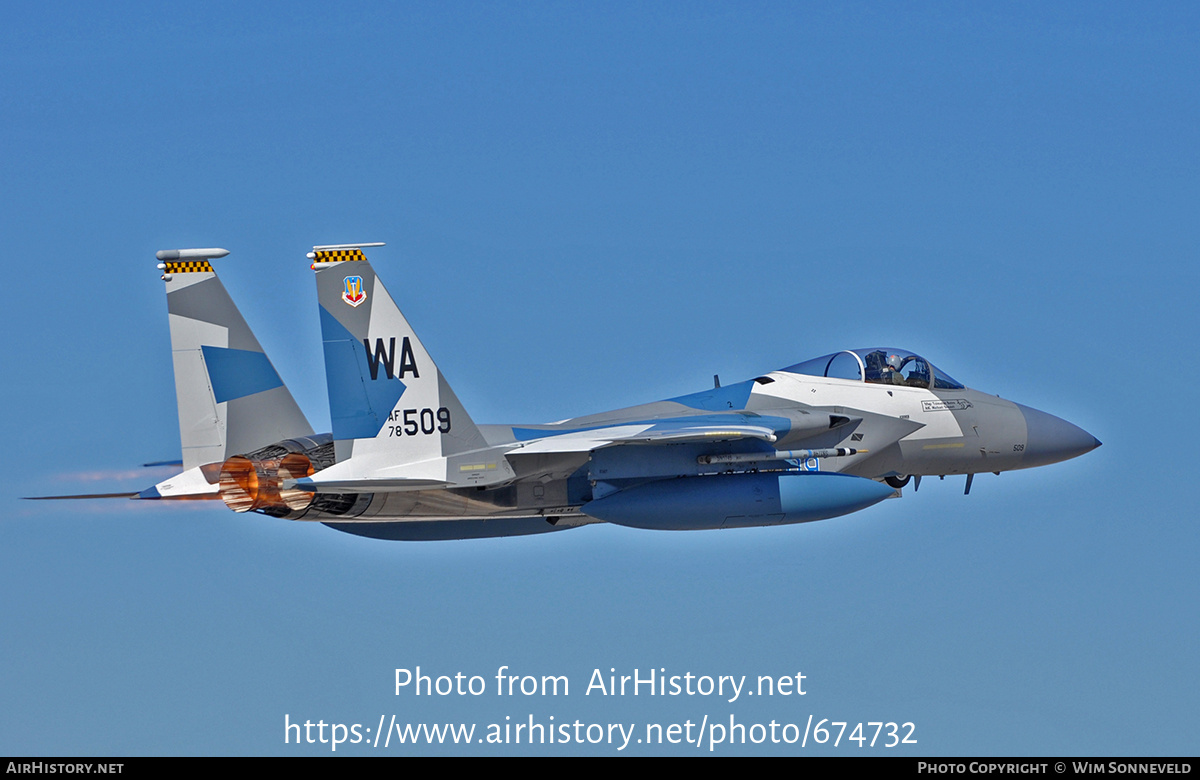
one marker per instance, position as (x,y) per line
(386,395)
(231,400)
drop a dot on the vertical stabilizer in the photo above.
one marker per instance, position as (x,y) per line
(387,399)
(230,398)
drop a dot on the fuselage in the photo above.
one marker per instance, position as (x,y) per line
(899,428)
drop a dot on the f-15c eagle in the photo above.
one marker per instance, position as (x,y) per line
(406,461)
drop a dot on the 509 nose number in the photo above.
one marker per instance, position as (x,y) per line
(413,422)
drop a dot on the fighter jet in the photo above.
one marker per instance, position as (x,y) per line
(406,461)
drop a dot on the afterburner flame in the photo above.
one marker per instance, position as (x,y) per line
(248,485)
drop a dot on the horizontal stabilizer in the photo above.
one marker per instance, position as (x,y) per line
(86,495)
(381,475)
(365,485)
(193,484)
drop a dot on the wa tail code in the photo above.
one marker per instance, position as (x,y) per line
(387,357)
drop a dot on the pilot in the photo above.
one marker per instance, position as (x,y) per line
(891,371)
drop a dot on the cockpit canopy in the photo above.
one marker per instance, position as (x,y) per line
(879,365)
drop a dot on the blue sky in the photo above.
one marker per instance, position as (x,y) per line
(588,206)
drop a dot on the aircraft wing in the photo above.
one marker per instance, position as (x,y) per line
(663,432)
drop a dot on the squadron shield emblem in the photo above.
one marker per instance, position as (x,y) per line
(353,292)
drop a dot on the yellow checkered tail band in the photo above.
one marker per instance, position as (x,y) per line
(338,255)
(188,267)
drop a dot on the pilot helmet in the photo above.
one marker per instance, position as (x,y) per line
(895,362)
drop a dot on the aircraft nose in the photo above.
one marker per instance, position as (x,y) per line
(1051,439)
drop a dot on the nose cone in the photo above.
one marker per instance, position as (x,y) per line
(1051,439)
